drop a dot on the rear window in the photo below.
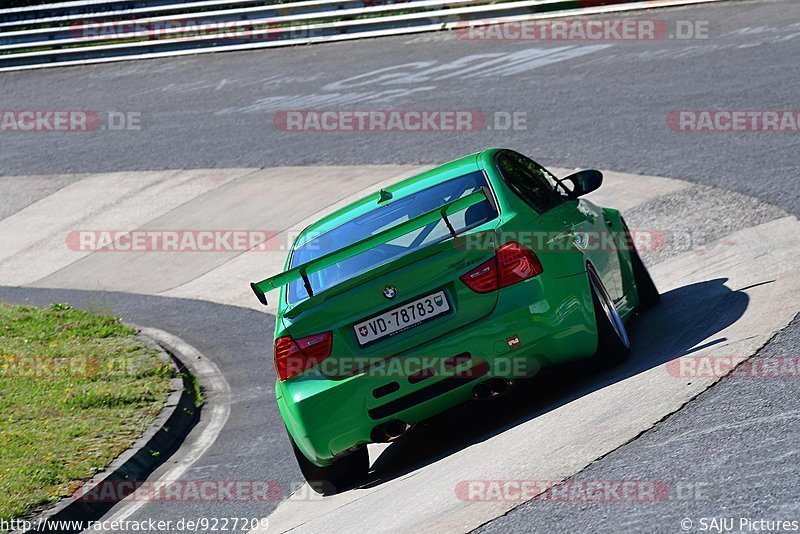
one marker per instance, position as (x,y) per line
(382,218)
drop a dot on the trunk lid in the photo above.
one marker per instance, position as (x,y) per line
(431,272)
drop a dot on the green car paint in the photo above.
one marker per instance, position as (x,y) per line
(509,332)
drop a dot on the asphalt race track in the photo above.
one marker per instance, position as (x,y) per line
(208,150)
(603,104)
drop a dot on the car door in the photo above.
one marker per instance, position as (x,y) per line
(571,225)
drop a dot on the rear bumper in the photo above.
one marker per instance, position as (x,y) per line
(524,332)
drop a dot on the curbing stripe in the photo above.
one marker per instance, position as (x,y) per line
(33,242)
(217,392)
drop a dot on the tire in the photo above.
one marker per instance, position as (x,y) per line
(613,344)
(344,473)
(645,287)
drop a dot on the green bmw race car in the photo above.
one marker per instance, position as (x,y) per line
(442,288)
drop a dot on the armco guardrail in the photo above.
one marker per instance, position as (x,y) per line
(94,31)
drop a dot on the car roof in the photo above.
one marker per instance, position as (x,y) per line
(442,173)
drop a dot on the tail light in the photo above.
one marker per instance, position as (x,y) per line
(483,278)
(293,356)
(512,263)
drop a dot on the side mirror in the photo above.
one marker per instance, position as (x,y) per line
(583,182)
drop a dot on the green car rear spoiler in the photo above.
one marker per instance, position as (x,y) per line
(353,249)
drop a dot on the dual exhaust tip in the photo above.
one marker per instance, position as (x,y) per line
(494,387)
(391,430)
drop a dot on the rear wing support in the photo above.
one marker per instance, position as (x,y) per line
(353,249)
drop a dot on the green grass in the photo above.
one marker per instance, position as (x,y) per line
(76,390)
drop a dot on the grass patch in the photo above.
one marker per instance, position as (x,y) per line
(76,390)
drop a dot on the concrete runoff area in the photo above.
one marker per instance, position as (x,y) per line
(747,272)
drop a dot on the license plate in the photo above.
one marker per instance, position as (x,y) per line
(401,318)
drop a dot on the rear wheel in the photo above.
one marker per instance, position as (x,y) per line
(344,473)
(645,287)
(613,344)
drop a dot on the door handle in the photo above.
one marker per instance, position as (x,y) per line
(579,239)
(567,234)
